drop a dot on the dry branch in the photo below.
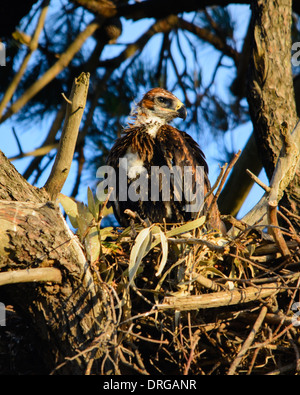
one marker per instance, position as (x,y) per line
(218,299)
(41,151)
(46,274)
(223,180)
(248,341)
(68,139)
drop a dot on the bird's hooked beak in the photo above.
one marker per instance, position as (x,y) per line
(181,110)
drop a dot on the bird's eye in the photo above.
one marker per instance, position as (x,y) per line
(164,101)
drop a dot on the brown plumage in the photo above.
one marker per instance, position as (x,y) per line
(149,142)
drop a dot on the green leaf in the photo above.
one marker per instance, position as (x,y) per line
(141,247)
(91,203)
(164,248)
(71,208)
(92,244)
(186,227)
(85,218)
(106,232)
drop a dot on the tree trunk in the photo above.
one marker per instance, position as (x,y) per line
(69,317)
(270,91)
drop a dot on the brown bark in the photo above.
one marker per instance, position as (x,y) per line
(67,144)
(270,91)
(67,317)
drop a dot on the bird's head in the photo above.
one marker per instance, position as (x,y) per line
(161,106)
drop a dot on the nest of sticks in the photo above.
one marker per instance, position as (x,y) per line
(195,302)
(190,301)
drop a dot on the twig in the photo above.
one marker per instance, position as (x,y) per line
(46,274)
(283,369)
(275,229)
(258,181)
(221,174)
(135,215)
(41,151)
(102,207)
(226,173)
(64,157)
(192,240)
(66,99)
(219,178)
(194,341)
(249,341)
(206,282)
(289,336)
(17,140)
(147,339)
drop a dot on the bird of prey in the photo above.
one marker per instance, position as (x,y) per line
(156,166)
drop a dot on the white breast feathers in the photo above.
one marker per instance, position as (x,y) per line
(133,163)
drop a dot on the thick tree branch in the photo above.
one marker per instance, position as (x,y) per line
(156,8)
(35,236)
(68,139)
(217,299)
(270,91)
(272,103)
(14,187)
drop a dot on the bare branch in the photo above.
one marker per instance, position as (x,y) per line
(258,181)
(68,139)
(46,274)
(224,178)
(162,26)
(37,152)
(217,299)
(249,340)
(208,36)
(275,229)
